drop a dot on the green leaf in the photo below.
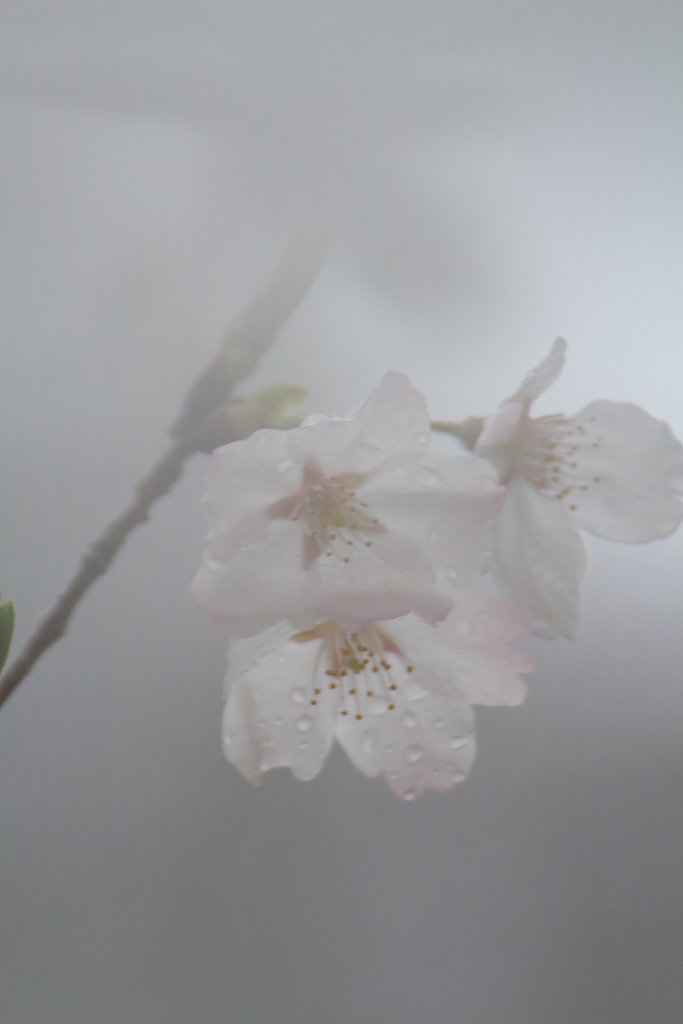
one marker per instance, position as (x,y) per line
(6,630)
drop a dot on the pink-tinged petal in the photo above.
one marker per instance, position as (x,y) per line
(425,742)
(274,579)
(539,559)
(628,475)
(245,479)
(264,583)
(468,656)
(543,375)
(269,720)
(499,428)
(391,429)
(352,608)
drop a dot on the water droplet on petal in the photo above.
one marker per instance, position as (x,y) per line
(421,438)
(377,705)
(298,696)
(368,741)
(283,465)
(413,753)
(459,775)
(439,723)
(463,627)
(304,723)
(278,721)
(457,741)
(267,741)
(409,720)
(302,745)
(410,794)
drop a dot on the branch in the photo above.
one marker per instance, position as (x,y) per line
(95,563)
(208,419)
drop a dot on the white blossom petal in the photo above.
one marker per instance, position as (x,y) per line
(269,721)
(425,742)
(244,479)
(543,375)
(468,656)
(539,559)
(446,502)
(303,540)
(390,430)
(629,473)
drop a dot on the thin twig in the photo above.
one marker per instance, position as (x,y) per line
(197,429)
(94,563)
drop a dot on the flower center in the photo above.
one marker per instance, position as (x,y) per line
(549,453)
(335,522)
(367,667)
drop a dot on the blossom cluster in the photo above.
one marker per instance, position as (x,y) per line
(340,553)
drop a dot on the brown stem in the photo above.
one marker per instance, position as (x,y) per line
(95,562)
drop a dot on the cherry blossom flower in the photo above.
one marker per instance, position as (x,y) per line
(396,695)
(342,518)
(612,469)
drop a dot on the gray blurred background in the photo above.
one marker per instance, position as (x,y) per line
(498,173)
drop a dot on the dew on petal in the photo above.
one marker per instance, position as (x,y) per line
(421,438)
(283,465)
(439,723)
(457,741)
(304,723)
(409,720)
(302,745)
(278,721)
(267,741)
(463,627)
(413,753)
(459,775)
(409,794)
(298,695)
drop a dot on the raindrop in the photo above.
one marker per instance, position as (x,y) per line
(409,720)
(368,741)
(463,627)
(409,794)
(457,741)
(439,723)
(278,720)
(304,723)
(283,465)
(267,741)
(459,775)
(421,438)
(413,753)
(298,696)
(302,745)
